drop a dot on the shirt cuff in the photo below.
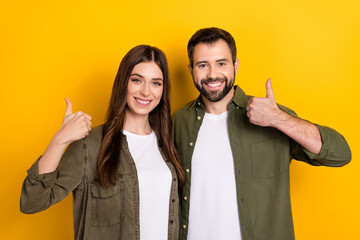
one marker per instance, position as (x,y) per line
(47,179)
(325,145)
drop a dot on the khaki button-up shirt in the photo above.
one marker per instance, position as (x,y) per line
(262,156)
(99,213)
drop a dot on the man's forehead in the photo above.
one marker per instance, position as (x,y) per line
(212,51)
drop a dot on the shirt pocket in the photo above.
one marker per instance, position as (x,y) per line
(107,204)
(268,158)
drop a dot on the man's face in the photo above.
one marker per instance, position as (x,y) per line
(213,71)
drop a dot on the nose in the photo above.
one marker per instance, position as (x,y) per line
(212,72)
(145,89)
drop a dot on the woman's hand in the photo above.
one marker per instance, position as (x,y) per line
(75,126)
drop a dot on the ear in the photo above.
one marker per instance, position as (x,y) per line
(236,66)
(190,68)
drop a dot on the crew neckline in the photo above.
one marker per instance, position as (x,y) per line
(216,116)
(137,135)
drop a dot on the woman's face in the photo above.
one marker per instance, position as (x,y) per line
(145,88)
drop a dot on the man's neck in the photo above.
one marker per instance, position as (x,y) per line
(220,106)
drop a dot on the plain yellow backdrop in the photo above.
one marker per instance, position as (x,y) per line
(55,49)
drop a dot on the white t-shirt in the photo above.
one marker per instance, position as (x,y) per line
(154,185)
(213,213)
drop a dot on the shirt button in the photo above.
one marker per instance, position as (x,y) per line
(237,107)
(191,143)
(173,200)
(242,200)
(185,198)
(187,170)
(171,221)
(184,226)
(198,103)
(198,117)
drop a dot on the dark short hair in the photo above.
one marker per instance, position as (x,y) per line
(209,36)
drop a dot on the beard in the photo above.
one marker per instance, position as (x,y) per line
(215,96)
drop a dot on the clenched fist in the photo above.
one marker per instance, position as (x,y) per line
(75,126)
(263,111)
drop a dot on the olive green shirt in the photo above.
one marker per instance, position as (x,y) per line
(99,213)
(262,156)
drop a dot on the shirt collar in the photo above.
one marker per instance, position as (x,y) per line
(239,99)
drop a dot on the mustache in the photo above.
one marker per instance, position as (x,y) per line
(209,80)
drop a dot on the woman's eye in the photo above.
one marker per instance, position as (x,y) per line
(135,80)
(157,83)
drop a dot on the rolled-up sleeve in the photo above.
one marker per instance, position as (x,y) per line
(335,151)
(41,191)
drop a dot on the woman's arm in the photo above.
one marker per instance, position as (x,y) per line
(56,174)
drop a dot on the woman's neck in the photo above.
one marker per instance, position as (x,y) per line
(137,124)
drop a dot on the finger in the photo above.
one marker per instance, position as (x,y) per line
(87,116)
(269,91)
(248,104)
(68,110)
(88,131)
(88,124)
(86,127)
(82,114)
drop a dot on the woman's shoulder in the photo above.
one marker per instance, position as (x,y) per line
(96,133)
(93,140)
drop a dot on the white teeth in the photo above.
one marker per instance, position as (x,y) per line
(142,101)
(214,84)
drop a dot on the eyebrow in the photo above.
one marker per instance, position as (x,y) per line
(219,60)
(222,60)
(200,62)
(136,74)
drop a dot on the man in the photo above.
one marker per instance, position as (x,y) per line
(236,150)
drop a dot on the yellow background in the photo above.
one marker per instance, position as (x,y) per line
(55,49)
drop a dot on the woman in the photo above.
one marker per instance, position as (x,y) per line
(123,174)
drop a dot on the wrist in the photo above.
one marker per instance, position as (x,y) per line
(279,118)
(59,141)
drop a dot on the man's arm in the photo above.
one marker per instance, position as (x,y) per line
(265,112)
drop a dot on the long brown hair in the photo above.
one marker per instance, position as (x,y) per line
(159,118)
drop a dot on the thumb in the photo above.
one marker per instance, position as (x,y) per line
(68,110)
(269,91)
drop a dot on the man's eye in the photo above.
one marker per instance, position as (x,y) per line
(202,65)
(221,64)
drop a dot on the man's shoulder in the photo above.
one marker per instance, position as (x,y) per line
(287,110)
(184,110)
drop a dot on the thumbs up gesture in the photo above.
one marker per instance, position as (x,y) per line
(263,111)
(75,126)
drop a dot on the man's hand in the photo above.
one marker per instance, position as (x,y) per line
(74,127)
(263,111)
